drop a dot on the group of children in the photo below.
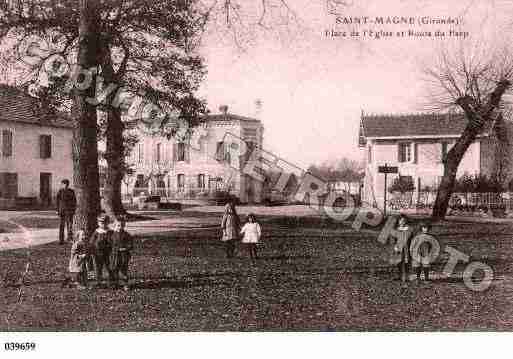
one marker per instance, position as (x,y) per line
(110,250)
(251,232)
(402,248)
(106,249)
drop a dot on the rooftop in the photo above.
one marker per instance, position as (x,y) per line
(229,117)
(412,125)
(17,106)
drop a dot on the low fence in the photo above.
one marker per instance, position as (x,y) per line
(491,203)
(166,196)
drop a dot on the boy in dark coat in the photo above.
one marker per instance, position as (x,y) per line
(66,207)
(122,245)
(101,246)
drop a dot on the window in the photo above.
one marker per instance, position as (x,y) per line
(140,153)
(7,143)
(445,146)
(140,182)
(180,180)
(250,134)
(140,186)
(201,181)
(203,147)
(222,153)
(369,157)
(438,181)
(158,153)
(404,152)
(45,146)
(161,185)
(8,185)
(180,156)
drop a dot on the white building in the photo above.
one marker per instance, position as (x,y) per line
(417,145)
(210,160)
(35,150)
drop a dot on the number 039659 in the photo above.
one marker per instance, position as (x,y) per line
(16,346)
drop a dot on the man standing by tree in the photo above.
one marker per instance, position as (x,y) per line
(66,207)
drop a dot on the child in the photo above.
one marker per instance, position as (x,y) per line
(101,248)
(252,232)
(230,225)
(424,248)
(401,248)
(77,261)
(122,245)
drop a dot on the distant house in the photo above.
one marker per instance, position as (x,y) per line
(417,145)
(350,187)
(35,149)
(208,161)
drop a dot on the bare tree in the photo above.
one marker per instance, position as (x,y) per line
(479,85)
(344,170)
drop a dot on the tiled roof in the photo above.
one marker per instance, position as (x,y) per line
(17,106)
(132,123)
(412,125)
(229,117)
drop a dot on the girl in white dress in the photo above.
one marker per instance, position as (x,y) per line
(251,232)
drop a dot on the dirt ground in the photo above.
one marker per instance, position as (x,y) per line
(310,276)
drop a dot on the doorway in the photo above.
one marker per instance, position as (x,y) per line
(45,189)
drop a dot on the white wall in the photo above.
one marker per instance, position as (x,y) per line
(25,160)
(202,156)
(428,167)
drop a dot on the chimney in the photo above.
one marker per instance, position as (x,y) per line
(258,108)
(223,109)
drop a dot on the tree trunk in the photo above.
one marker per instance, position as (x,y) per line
(114,151)
(85,140)
(477,117)
(114,155)
(454,157)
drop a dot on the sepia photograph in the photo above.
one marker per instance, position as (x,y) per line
(228,166)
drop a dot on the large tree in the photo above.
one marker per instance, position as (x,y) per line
(85,149)
(478,84)
(148,48)
(142,49)
(22,20)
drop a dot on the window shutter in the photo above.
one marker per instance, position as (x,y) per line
(45,146)
(49,146)
(2,185)
(415,152)
(11,183)
(7,143)
(399,153)
(164,154)
(42,146)
(444,152)
(220,151)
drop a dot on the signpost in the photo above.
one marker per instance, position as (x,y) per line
(386,169)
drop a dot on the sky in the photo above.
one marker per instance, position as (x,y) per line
(314,88)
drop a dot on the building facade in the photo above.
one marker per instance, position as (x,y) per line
(417,144)
(36,150)
(209,160)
